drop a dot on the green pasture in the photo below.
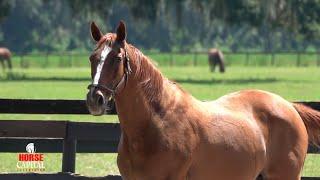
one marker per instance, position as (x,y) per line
(292,83)
(68,60)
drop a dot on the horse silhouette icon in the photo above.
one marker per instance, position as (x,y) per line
(30,148)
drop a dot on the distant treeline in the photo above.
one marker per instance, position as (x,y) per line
(163,25)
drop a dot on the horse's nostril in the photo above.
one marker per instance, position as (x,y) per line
(100,100)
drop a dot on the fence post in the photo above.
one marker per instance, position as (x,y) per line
(60,60)
(47,60)
(21,60)
(70,59)
(247,58)
(318,58)
(272,58)
(195,59)
(69,155)
(298,59)
(171,58)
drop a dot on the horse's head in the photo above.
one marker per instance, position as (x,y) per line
(109,68)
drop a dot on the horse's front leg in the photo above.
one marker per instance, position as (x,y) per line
(123,161)
(123,168)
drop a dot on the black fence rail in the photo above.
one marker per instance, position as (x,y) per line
(44,106)
(55,176)
(245,58)
(64,137)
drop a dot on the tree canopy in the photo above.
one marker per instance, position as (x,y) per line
(163,25)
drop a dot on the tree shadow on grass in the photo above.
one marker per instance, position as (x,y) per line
(226,81)
(10,77)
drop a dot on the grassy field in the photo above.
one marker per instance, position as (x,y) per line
(70,83)
(171,59)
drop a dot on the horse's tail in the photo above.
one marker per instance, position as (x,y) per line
(311,119)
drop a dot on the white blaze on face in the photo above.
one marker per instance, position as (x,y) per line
(106,50)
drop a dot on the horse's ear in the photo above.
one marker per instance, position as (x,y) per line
(95,32)
(121,32)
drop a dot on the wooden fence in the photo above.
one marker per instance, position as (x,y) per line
(69,59)
(55,136)
(63,136)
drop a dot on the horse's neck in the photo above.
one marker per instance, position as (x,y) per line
(145,97)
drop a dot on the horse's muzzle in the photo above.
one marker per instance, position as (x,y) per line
(96,102)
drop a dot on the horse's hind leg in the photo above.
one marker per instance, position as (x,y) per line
(286,159)
(221,66)
(211,64)
(214,65)
(9,63)
(285,166)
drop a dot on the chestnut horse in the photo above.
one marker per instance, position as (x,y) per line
(5,55)
(215,57)
(168,134)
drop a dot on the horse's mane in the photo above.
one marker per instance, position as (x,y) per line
(150,78)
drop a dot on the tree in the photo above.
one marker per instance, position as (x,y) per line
(165,25)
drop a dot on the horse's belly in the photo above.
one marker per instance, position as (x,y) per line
(232,149)
(228,165)
(167,167)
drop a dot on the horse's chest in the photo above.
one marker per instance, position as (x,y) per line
(147,160)
(139,165)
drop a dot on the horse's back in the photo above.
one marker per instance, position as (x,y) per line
(259,103)
(264,108)
(5,53)
(214,53)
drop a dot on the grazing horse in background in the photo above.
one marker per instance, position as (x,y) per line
(215,57)
(5,55)
(168,134)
